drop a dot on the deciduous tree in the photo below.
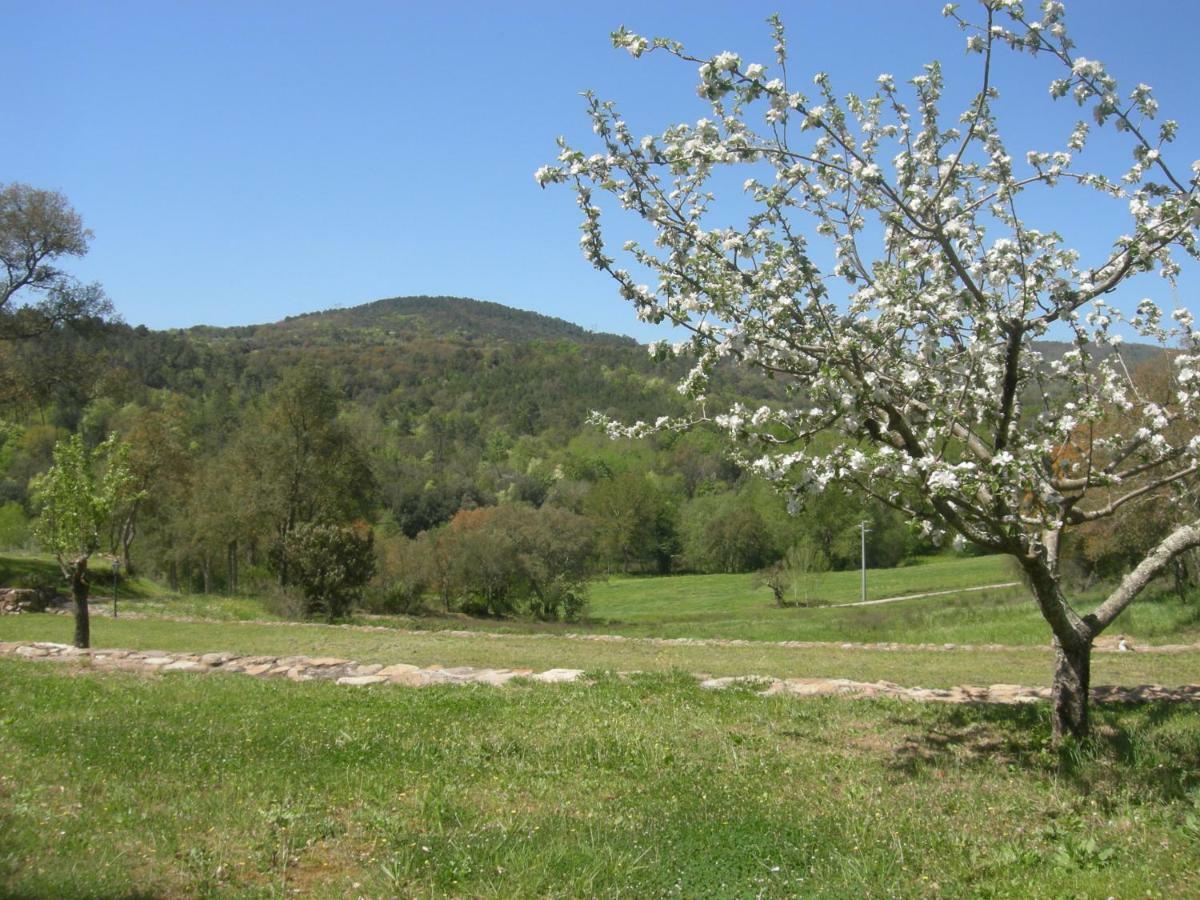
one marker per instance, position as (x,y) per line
(37,229)
(926,363)
(77,495)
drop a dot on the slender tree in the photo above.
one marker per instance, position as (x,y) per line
(77,495)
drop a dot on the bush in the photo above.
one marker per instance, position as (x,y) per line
(513,559)
(287,603)
(331,564)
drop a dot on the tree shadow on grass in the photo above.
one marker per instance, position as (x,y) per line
(1136,748)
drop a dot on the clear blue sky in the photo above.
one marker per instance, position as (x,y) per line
(243,161)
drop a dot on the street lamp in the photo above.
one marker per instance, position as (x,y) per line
(863,529)
(116,567)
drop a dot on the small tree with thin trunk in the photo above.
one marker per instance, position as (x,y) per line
(922,380)
(77,494)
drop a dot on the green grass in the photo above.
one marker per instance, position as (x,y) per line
(735,606)
(738,607)
(732,606)
(119,786)
(1030,666)
(218,607)
(697,597)
(27,569)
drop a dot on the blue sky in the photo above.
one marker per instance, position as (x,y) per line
(243,161)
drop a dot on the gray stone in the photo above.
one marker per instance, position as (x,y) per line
(396,670)
(494,677)
(361,680)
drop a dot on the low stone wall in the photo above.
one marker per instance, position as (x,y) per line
(14,601)
(353,674)
(294,668)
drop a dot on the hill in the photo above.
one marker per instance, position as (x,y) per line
(410,318)
(454,403)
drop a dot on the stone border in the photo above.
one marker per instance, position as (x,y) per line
(353,674)
(294,668)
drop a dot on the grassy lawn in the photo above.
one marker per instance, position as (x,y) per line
(735,606)
(695,597)
(1030,666)
(115,785)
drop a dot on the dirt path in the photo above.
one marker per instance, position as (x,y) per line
(352,674)
(982,587)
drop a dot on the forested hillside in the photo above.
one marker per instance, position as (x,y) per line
(452,431)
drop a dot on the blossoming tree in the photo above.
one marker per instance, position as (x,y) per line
(928,363)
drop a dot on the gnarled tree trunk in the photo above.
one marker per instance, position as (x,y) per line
(1069,693)
(1073,638)
(79,591)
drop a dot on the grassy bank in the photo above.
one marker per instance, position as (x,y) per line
(113,785)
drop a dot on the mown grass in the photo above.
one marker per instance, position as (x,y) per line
(115,785)
(692,597)
(1030,666)
(734,606)
(737,606)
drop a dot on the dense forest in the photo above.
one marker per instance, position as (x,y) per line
(452,433)
(418,418)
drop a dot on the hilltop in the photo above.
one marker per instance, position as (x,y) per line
(395,319)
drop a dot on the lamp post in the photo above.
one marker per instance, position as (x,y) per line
(116,567)
(863,529)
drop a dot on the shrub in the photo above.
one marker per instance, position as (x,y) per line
(511,559)
(331,564)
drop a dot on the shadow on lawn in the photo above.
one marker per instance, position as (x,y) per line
(1137,748)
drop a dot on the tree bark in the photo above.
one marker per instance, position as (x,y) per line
(1069,694)
(79,591)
